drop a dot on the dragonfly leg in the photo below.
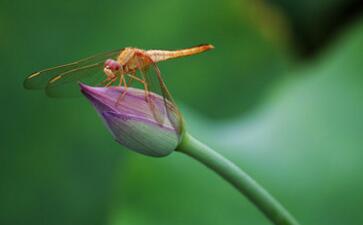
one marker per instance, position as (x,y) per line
(133,77)
(122,80)
(103,82)
(140,65)
(130,80)
(126,84)
(111,82)
(123,92)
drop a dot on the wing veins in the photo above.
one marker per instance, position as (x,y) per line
(62,75)
(40,80)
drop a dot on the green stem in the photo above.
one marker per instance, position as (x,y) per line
(238,178)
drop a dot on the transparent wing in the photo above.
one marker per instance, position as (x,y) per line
(155,83)
(66,84)
(68,73)
(171,108)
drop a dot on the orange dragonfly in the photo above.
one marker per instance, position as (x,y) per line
(121,67)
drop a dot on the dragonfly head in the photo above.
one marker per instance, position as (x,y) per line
(112,65)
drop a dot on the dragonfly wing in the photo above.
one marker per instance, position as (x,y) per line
(66,84)
(172,111)
(41,79)
(152,76)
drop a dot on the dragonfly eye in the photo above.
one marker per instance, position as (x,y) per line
(112,64)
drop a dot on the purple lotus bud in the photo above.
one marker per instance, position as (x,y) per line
(132,121)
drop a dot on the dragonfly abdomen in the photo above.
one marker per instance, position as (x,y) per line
(162,55)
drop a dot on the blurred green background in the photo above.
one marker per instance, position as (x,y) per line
(280,95)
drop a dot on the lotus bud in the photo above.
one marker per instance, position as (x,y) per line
(132,121)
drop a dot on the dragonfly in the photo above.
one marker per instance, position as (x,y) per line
(118,67)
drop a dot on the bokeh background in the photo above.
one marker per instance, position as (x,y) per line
(281,95)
